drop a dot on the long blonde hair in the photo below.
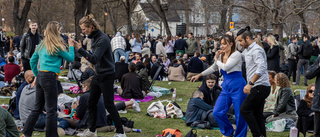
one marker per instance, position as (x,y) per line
(272,40)
(52,40)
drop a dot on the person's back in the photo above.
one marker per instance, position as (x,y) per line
(180,44)
(131,84)
(27,102)
(7,125)
(195,65)
(121,69)
(11,70)
(176,73)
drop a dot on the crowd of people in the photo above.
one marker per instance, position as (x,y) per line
(255,71)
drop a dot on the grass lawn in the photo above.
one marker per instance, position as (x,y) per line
(153,126)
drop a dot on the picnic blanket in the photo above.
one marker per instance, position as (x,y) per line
(5,96)
(146,98)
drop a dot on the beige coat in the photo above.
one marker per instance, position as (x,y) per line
(176,73)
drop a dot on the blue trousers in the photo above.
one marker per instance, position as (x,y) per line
(235,96)
(117,54)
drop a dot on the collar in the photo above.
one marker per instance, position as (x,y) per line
(94,34)
(251,46)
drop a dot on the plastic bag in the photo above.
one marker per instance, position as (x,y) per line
(276,126)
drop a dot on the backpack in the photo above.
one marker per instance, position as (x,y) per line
(171,132)
(12,105)
(191,134)
(307,50)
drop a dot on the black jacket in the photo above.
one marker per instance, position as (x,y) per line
(285,102)
(102,57)
(301,48)
(131,84)
(121,69)
(27,44)
(316,51)
(83,112)
(273,59)
(210,96)
(304,110)
(314,71)
(87,74)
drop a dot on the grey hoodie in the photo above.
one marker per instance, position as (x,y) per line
(27,102)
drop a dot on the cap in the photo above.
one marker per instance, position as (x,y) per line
(203,58)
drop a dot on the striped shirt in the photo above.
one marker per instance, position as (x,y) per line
(271,100)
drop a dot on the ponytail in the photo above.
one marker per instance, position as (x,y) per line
(88,20)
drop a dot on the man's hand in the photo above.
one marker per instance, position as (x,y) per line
(75,104)
(77,45)
(247,89)
(34,82)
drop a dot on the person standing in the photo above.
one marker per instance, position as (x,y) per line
(258,86)
(16,41)
(193,45)
(229,61)
(180,46)
(48,55)
(118,45)
(103,79)
(304,57)
(292,60)
(208,46)
(3,39)
(169,46)
(273,54)
(28,44)
(136,43)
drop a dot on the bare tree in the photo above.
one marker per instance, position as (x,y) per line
(19,21)
(129,7)
(81,7)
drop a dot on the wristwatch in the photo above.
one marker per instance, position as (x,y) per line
(250,83)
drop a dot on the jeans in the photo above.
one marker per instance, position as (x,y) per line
(252,110)
(117,54)
(317,124)
(46,96)
(103,84)
(26,64)
(305,63)
(41,123)
(292,69)
(127,55)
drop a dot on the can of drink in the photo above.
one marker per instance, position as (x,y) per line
(136,130)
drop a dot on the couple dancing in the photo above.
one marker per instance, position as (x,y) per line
(247,99)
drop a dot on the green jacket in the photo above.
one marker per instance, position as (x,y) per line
(193,46)
(207,47)
(7,124)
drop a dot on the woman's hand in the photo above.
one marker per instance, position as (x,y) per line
(195,78)
(70,42)
(216,57)
(34,82)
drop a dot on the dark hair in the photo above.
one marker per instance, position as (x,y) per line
(272,74)
(229,39)
(181,60)
(293,38)
(198,54)
(307,98)
(211,76)
(191,33)
(305,36)
(76,65)
(167,40)
(137,36)
(140,55)
(259,34)
(276,36)
(87,82)
(245,32)
(11,59)
(146,61)
(132,67)
(139,66)
(179,34)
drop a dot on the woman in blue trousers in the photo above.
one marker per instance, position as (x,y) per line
(229,61)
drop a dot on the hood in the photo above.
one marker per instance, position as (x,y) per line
(176,65)
(29,90)
(118,34)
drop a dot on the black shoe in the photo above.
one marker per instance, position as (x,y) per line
(305,84)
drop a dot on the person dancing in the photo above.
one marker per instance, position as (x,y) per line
(103,78)
(229,61)
(49,54)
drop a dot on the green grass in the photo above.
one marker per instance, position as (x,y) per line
(153,126)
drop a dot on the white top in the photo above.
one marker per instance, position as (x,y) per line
(233,63)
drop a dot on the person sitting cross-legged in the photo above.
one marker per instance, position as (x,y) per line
(131,83)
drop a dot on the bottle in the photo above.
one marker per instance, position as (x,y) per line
(293,132)
(174,94)
(136,130)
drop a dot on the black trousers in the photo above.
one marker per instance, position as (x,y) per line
(104,85)
(252,110)
(292,69)
(170,55)
(209,58)
(317,124)
(26,64)
(46,96)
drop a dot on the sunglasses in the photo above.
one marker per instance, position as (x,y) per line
(131,55)
(310,91)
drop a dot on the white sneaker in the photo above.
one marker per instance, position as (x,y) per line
(135,106)
(122,111)
(120,135)
(294,83)
(88,133)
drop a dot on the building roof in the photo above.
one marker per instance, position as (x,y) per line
(171,13)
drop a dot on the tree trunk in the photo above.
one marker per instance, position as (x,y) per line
(187,16)
(89,5)
(223,18)
(19,22)
(278,29)
(79,12)
(129,17)
(303,23)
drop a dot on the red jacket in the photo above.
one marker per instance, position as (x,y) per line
(10,70)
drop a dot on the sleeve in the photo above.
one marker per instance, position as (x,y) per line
(185,44)
(97,54)
(34,62)
(260,61)
(11,126)
(68,56)
(190,64)
(300,49)
(210,70)
(133,42)
(207,45)
(273,52)
(292,50)
(82,107)
(303,109)
(202,105)
(175,46)
(282,103)
(23,44)
(233,60)
(313,70)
